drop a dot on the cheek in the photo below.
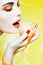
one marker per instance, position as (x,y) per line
(4,17)
(3,20)
(7,17)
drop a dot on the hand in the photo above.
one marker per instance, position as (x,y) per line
(28,32)
(32,27)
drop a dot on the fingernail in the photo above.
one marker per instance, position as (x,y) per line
(35,26)
(28,31)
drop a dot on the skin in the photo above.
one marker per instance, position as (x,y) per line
(9,14)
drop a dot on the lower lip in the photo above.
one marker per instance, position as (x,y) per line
(17,26)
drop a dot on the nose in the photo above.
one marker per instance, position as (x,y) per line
(18,11)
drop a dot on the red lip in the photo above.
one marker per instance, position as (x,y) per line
(16,24)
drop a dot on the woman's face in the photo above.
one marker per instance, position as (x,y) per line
(9,16)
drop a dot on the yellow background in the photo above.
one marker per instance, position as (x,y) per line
(32,11)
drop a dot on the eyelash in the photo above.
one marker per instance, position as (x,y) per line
(11,7)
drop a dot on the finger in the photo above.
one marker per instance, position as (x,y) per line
(23,43)
(21,47)
(17,42)
(37,32)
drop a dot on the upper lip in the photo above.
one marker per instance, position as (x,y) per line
(16,21)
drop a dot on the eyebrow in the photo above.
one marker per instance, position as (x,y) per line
(8,3)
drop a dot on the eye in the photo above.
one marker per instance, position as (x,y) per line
(8,7)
